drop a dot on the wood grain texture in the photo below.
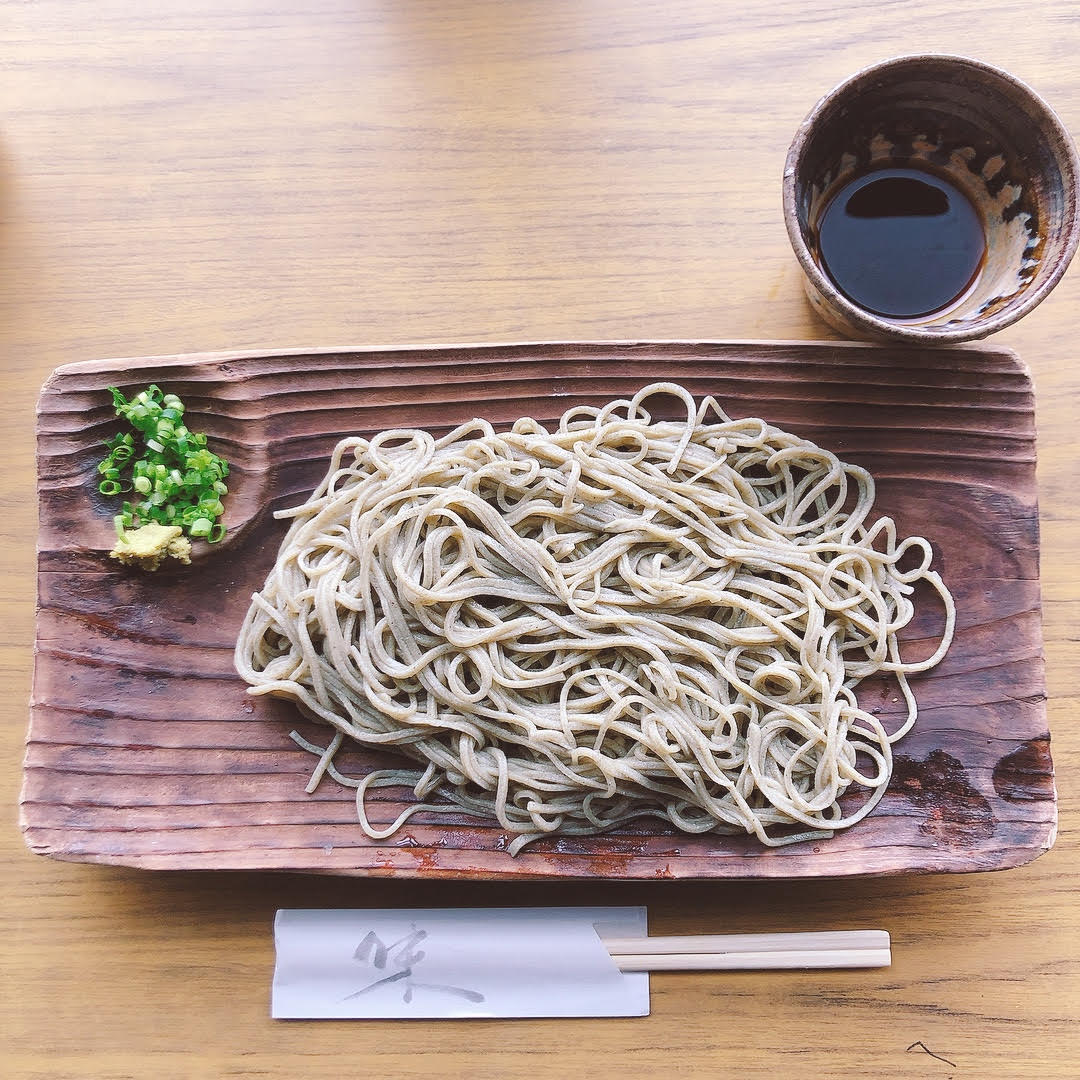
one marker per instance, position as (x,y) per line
(144,749)
(198,176)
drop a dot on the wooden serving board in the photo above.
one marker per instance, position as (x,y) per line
(145,750)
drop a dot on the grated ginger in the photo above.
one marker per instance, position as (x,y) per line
(148,546)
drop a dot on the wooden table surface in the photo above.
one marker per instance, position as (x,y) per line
(216,175)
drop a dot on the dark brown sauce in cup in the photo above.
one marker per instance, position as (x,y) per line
(901,241)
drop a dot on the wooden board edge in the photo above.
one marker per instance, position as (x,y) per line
(211,357)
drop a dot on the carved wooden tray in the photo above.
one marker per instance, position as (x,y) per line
(145,750)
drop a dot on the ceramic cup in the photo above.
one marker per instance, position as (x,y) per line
(989,135)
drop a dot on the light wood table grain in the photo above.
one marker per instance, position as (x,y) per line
(208,175)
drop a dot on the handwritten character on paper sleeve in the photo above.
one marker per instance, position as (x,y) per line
(400,959)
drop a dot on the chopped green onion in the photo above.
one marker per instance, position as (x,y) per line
(176,479)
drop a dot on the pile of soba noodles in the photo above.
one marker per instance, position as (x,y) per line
(620,617)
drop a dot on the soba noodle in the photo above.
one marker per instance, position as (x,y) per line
(618,618)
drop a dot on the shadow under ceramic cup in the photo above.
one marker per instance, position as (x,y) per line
(972,128)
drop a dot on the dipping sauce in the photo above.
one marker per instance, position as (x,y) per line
(901,242)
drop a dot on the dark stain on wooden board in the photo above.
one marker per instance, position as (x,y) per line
(1025,775)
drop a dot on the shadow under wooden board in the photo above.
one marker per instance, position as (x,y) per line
(145,750)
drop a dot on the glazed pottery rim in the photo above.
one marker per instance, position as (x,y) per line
(1057,136)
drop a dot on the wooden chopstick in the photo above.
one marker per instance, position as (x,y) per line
(745,952)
